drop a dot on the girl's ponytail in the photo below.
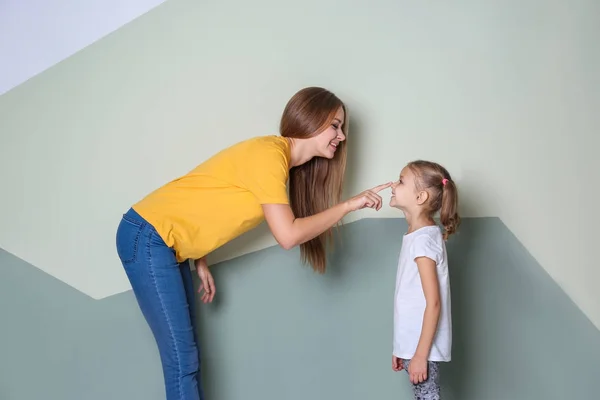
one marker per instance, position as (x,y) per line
(449,211)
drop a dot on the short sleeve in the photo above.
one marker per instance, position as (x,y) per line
(425,246)
(266,172)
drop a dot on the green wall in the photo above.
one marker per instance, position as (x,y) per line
(278,331)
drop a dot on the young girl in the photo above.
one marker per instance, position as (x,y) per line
(422,316)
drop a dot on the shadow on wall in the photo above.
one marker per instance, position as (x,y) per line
(354,162)
(279,331)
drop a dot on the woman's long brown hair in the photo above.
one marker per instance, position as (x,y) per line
(317,184)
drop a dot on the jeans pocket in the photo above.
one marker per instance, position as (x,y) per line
(128,237)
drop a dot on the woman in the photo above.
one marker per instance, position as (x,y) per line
(225,196)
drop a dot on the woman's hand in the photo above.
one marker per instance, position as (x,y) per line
(206,281)
(368,198)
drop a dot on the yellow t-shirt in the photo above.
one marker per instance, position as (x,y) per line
(221,198)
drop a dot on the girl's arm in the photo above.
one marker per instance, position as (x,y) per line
(429,281)
(290,231)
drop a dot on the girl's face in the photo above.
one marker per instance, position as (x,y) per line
(327,141)
(404,191)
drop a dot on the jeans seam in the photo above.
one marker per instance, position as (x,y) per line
(133,221)
(135,243)
(162,308)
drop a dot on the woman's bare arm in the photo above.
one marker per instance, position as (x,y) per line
(290,231)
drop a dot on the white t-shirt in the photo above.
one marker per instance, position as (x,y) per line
(409,299)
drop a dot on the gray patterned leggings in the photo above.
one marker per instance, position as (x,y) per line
(430,388)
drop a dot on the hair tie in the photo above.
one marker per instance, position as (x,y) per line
(444,181)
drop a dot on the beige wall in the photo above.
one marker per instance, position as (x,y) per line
(489,90)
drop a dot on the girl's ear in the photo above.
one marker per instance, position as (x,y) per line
(422,197)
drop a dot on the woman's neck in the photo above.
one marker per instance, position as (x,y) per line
(300,150)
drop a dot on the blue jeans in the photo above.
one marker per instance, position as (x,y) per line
(165,293)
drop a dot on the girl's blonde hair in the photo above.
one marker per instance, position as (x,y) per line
(317,184)
(443,193)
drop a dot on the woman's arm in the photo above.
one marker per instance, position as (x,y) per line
(290,231)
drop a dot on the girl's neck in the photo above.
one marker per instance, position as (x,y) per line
(417,221)
(300,150)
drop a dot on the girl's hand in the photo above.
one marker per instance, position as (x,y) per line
(417,370)
(368,198)
(397,364)
(206,281)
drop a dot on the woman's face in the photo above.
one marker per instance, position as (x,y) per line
(327,141)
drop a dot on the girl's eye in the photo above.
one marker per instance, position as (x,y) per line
(336,127)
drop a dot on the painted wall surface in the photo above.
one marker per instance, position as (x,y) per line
(36,34)
(491,90)
(278,331)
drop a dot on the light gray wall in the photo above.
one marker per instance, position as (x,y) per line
(278,331)
(44,32)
